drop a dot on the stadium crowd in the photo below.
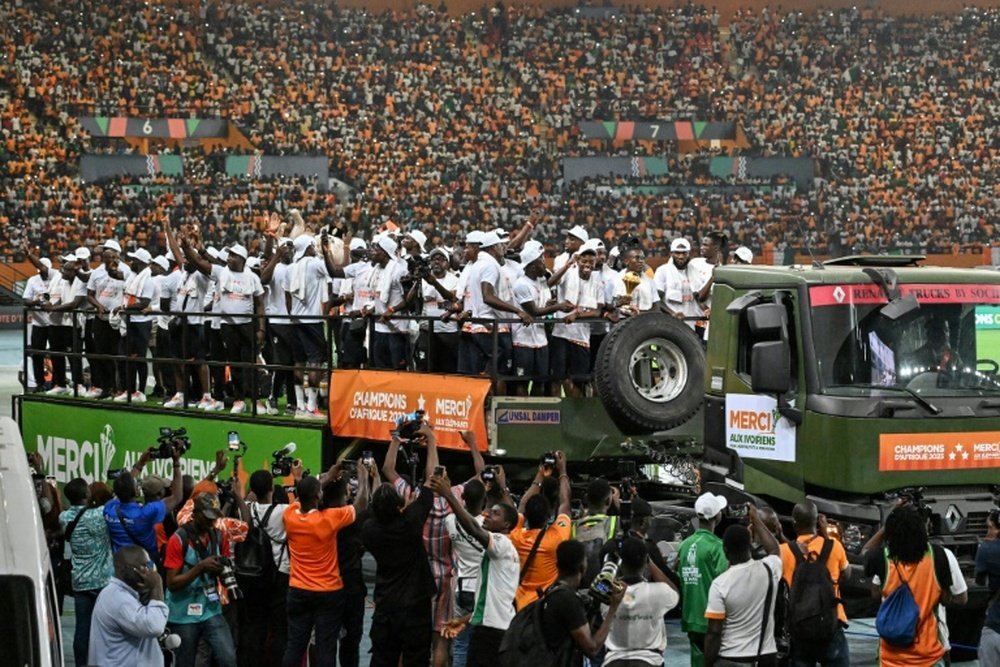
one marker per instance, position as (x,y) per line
(458,123)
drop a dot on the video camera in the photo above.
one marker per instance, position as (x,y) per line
(170,439)
(281,464)
(418,266)
(407,426)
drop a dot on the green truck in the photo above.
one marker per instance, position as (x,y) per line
(850,383)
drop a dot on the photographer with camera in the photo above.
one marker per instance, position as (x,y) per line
(263,622)
(315,587)
(130,522)
(437,345)
(197,563)
(129,615)
(638,635)
(538,535)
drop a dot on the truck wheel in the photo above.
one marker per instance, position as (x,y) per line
(650,373)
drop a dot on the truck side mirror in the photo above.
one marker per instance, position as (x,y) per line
(771,367)
(766,319)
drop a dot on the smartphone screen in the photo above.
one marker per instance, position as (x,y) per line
(234,440)
(438,471)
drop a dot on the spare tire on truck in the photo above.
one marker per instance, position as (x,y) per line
(650,373)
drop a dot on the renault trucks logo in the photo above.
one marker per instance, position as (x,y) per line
(67,459)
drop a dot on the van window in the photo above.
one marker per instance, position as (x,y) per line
(18,626)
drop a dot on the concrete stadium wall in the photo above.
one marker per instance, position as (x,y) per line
(726,7)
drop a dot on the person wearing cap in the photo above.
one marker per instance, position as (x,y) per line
(673,281)
(187,335)
(576,236)
(164,288)
(437,344)
(486,299)
(390,340)
(307,281)
(742,255)
(700,560)
(137,326)
(355,295)
(132,522)
(105,292)
(66,293)
(570,344)
(531,345)
(281,341)
(240,293)
(193,562)
(739,632)
(414,243)
(36,289)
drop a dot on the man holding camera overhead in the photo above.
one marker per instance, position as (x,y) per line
(197,562)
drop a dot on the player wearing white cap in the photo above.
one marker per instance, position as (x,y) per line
(137,325)
(674,282)
(240,295)
(437,344)
(105,291)
(66,293)
(390,340)
(35,290)
(576,236)
(356,295)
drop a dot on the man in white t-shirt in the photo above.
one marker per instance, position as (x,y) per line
(105,291)
(467,554)
(281,339)
(165,280)
(638,634)
(437,345)
(634,289)
(570,344)
(531,346)
(390,340)
(137,323)
(354,291)
(493,606)
(34,295)
(673,281)
(240,293)
(713,247)
(737,599)
(576,236)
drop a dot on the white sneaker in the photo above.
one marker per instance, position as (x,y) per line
(138,397)
(309,414)
(214,405)
(176,401)
(272,406)
(238,407)
(121,398)
(59,391)
(204,402)
(95,392)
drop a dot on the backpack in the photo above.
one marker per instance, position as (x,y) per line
(524,642)
(811,614)
(899,615)
(593,532)
(254,556)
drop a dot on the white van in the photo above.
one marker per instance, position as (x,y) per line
(29,617)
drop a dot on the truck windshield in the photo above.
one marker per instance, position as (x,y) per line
(950,346)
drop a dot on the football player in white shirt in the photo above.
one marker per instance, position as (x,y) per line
(673,281)
(437,345)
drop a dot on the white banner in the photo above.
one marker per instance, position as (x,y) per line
(755,430)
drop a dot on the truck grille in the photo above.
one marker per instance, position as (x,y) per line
(975,523)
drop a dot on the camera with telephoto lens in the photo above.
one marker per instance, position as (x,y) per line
(417,266)
(169,440)
(227,577)
(603,585)
(407,426)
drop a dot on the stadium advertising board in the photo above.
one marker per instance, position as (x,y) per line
(81,441)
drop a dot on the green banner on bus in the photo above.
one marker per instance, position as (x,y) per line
(84,441)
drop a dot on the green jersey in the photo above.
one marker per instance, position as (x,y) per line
(700,560)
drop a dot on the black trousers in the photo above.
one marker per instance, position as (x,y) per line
(283,341)
(61,340)
(103,371)
(484,646)
(39,341)
(263,623)
(309,610)
(354,628)
(239,344)
(403,633)
(217,353)
(164,370)
(134,346)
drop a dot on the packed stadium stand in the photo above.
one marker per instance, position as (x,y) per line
(445,123)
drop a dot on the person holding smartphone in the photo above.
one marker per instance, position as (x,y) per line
(130,614)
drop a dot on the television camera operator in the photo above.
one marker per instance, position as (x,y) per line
(435,284)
